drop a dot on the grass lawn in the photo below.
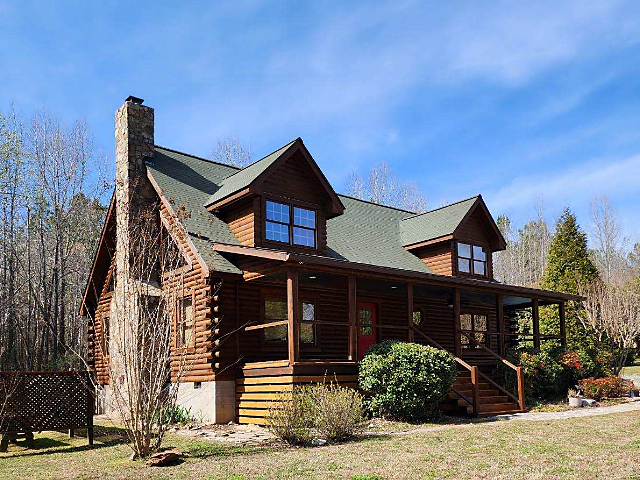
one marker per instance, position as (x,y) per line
(632,369)
(606,446)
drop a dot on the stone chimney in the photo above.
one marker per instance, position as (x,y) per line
(134,144)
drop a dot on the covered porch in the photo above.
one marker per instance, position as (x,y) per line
(302,323)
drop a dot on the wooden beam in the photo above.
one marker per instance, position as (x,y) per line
(456,321)
(563,325)
(536,323)
(475,381)
(292,315)
(501,325)
(410,311)
(352,318)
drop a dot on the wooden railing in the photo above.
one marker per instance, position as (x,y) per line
(472,403)
(520,399)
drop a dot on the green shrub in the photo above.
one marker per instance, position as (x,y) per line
(324,410)
(608,387)
(176,415)
(544,375)
(406,380)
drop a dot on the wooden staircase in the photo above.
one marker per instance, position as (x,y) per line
(491,401)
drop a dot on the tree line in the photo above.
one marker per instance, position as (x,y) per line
(51,215)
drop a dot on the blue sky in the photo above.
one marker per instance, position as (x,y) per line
(519,101)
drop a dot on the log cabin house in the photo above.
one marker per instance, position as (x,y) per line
(288,282)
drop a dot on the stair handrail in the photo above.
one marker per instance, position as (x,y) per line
(459,360)
(519,373)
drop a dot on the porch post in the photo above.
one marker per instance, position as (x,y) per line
(536,324)
(292,315)
(456,321)
(563,325)
(352,318)
(410,336)
(500,318)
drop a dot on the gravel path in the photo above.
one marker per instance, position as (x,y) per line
(577,412)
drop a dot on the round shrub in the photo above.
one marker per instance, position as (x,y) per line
(406,381)
(544,374)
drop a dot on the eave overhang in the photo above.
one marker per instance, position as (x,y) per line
(303,259)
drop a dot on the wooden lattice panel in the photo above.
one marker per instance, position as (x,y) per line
(40,401)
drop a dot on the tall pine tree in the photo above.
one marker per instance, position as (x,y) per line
(569,267)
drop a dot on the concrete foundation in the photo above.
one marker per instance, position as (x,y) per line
(212,402)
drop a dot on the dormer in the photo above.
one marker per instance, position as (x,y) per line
(458,239)
(282,201)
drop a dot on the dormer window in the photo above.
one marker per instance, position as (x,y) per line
(472,259)
(290,224)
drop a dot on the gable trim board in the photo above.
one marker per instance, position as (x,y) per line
(250,180)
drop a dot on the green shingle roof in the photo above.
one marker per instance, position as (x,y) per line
(242,178)
(365,233)
(435,223)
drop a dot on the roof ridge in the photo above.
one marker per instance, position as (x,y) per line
(444,206)
(379,204)
(196,156)
(258,161)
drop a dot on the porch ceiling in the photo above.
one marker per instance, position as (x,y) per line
(309,261)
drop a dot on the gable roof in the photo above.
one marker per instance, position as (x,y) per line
(248,180)
(242,178)
(436,223)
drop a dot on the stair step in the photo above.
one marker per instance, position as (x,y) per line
(498,407)
(494,399)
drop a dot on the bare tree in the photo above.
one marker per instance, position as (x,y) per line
(608,240)
(613,313)
(384,188)
(230,151)
(143,386)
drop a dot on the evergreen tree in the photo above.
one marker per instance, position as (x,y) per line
(568,269)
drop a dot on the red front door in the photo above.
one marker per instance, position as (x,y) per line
(367,333)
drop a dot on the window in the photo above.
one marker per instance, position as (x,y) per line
(104,344)
(307,330)
(476,326)
(472,259)
(365,315)
(281,225)
(184,322)
(417,317)
(275,310)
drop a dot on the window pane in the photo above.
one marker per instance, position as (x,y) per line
(277,232)
(105,337)
(275,334)
(481,323)
(465,321)
(308,311)
(275,311)
(464,250)
(478,268)
(307,334)
(304,217)
(278,212)
(365,315)
(464,265)
(417,317)
(304,236)
(478,253)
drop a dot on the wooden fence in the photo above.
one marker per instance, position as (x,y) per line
(37,401)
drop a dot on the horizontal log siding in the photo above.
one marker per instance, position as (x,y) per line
(439,258)
(474,230)
(199,363)
(241,221)
(96,359)
(437,322)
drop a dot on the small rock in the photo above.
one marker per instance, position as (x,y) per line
(230,423)
(318,442)
(161,459)
(587,402)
